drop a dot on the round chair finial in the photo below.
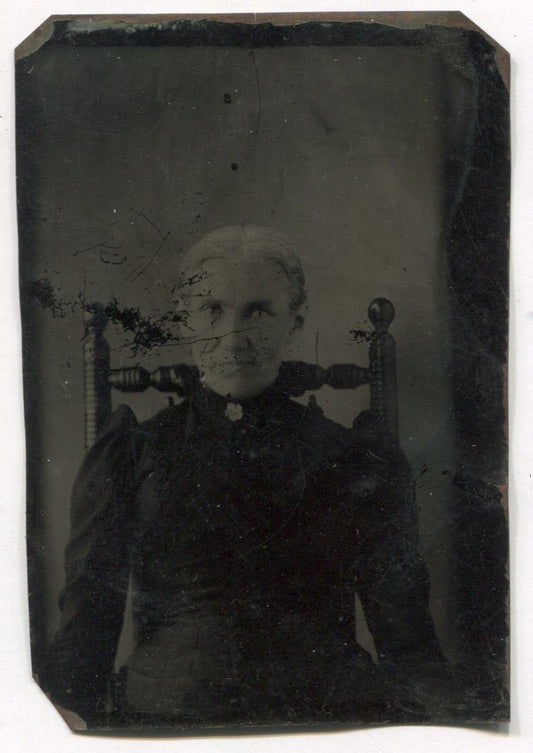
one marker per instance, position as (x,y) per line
(381,312)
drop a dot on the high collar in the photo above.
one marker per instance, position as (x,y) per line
(271,405)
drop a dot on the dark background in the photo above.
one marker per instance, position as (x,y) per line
(380,153)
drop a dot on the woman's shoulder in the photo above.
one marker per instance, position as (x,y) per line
(123,420)
(166,417)
(365,443)
(123,434)
(167,425)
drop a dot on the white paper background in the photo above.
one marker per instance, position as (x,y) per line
(28,722)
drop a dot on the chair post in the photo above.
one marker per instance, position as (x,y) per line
(383,388)
(96,373)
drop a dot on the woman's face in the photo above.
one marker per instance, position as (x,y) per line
(239,324)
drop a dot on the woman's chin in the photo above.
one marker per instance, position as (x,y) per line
(239,386)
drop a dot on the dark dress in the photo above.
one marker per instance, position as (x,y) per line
(246,540)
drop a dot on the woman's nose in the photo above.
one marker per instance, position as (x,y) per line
(239,335)
(238,341)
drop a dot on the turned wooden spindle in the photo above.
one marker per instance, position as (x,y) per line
(383,396)
(181,379)
(96,372)
(297,377)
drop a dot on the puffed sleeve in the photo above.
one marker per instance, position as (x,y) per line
(392,579)
(80,659)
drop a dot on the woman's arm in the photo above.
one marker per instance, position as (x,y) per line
(392,579)
(80,659)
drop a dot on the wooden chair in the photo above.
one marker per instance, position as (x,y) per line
(295,377)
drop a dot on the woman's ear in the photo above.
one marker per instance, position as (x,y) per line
(297,324)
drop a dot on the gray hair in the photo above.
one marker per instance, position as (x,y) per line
(245,242)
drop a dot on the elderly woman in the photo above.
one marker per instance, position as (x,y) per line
(247,522)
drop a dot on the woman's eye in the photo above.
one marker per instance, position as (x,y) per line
(213,310)
(259,312)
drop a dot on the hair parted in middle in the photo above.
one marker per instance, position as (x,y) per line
(244,242)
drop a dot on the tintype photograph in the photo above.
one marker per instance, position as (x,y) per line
(264,285)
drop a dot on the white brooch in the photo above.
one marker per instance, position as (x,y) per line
(233,411)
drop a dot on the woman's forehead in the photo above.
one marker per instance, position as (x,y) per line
(219,276)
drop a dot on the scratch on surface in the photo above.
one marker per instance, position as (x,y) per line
(108,253)
(136,273)
(150,261)
(192,340)
(259,100)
